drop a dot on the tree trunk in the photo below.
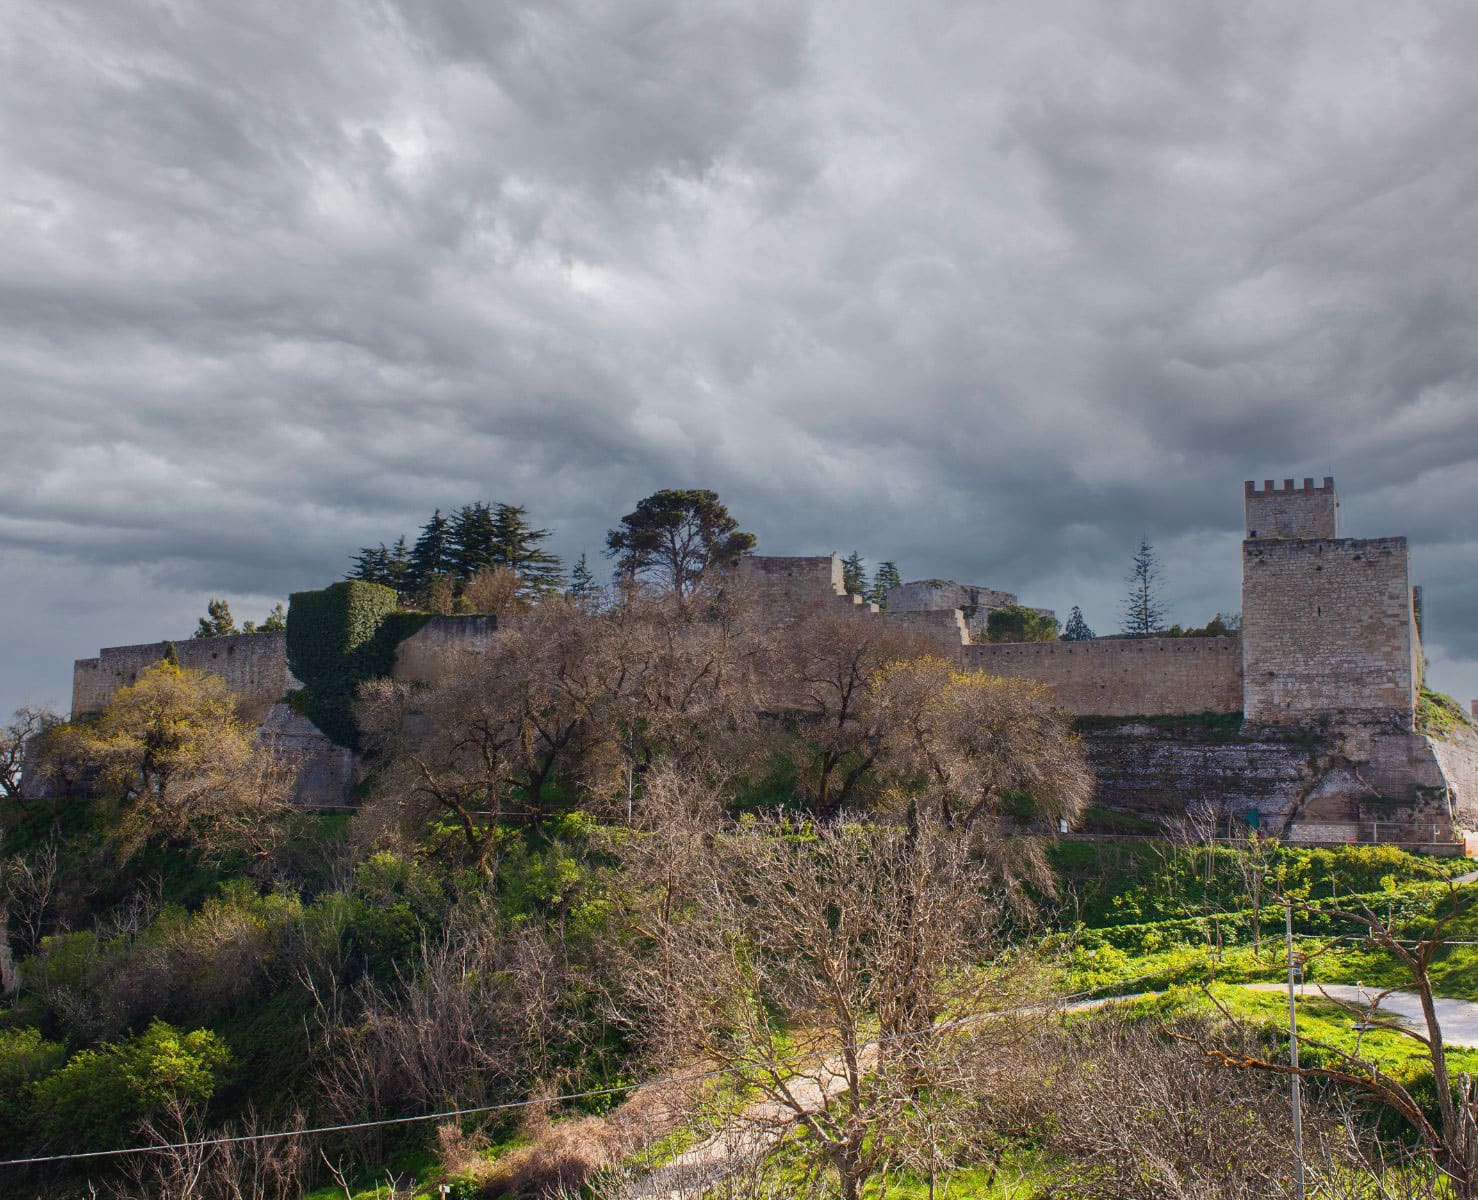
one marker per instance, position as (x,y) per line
(10,977)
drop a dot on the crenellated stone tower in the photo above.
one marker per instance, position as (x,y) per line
(1329,629)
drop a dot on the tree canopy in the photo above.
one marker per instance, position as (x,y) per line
(1017,623)
(451,552)
(175,761)
(675,536)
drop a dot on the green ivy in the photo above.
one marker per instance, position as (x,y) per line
(337,638)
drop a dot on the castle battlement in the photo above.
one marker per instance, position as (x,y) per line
(1271,487)
(1291,511)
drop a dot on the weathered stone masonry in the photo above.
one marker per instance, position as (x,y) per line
(1328,628)
(255,665)
(1125,677)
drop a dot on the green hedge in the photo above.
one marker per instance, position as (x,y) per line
(337,638)
(1412,902)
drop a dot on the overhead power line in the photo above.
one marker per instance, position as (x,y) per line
(1042,1005)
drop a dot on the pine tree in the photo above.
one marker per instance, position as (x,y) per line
(516,546)
(218,622)
(398,567)
(1144,613)
(884,579)
(431,554)
(675,536)
(1076,629)
(582,586)
(372,564)
(854,579)
(472,540)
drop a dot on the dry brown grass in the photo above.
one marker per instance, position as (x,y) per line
(565,1155)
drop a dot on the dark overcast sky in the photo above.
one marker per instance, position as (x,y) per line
(990,289)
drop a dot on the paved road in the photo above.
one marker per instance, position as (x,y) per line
(1458,1018)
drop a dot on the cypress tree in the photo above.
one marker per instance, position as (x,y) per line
(1144,612)
(369,563)
(398,567)
(582,581)
(854,579)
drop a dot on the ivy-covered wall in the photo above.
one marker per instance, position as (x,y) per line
(337,638)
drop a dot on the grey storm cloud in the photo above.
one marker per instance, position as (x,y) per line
(991,290)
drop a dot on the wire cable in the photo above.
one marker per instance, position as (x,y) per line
(1044,1005)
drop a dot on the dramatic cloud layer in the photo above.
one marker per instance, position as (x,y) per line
(991,290)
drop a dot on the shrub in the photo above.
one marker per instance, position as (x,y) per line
(1017,623)
(25,1058)
(99,1098)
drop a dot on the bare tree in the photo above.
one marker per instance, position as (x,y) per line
(260,1168)
(480,1016)
(983,753)
(486,743)
(493,590)
(27,888)
(28,722)
(823,675)
(836,974)
(1151,1117)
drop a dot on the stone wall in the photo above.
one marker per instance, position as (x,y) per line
(1159,771)
(1327,630)
(323,773)
(255,665)
(425,655)
(942,595)
(790,588)
(943,630)
(1124,677)
(1289,512)
(927,594)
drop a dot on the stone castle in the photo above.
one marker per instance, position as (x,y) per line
(1305,724)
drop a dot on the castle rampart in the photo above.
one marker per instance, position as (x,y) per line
(788,588)
(1124,677)
(928,594)
(1328,631)
(425,656)
(255,665)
